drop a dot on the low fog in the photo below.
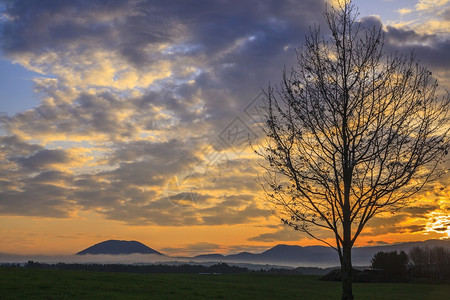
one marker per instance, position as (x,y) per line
(143,259)
(88,258)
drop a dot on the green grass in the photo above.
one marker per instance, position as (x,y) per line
(19,283)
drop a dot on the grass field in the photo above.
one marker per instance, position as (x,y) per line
(20,283)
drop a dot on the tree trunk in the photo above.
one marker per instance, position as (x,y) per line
(346,264)
(346,270)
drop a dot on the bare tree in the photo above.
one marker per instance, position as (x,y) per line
(420,257)
(351,132)
(431,263)
(440,263)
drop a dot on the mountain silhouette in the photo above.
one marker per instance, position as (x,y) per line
(317,255)
(116,247)
(210,256)
(287,254)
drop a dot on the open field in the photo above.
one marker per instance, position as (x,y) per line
(21,283)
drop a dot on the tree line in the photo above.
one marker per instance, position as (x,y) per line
(420,262)
(221,268)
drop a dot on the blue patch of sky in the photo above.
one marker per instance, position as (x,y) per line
(388,10)
(16,88)
(16,84)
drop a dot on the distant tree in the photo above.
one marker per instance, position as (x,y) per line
(431,263)
(393,263)
(440,263)
(351,132)
(420,257)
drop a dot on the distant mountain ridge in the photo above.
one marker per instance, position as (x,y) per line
(288,255)
(316,255)
(116,247)
(282,254)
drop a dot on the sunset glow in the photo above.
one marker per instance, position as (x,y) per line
(130,120)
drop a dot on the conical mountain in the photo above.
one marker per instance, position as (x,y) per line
(116,247)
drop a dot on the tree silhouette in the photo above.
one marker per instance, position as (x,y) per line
(420,257)
(432,263)
(351,132)
(393,263)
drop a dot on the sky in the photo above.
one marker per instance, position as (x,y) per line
(128,120)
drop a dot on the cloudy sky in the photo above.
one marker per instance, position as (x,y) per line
(129,120)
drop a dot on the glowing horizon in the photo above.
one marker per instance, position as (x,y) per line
(128,121)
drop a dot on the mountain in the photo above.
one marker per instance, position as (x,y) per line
(280,255)
(243,256)
(319,256)
(213,256)
(289,255)
(115,247)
